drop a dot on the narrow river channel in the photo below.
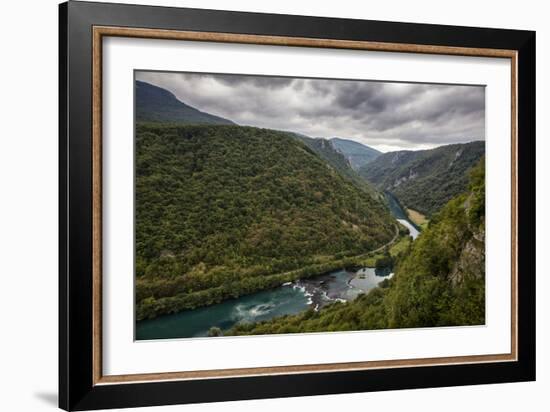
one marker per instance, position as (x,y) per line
(401,216)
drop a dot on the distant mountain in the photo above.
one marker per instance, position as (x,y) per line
(325,149)
(425,180)
(155,104)
(357,154)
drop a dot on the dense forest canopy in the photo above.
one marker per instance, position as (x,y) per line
(439,280)
(425,180)
(221,210)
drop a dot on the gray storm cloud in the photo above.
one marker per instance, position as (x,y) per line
(384,115)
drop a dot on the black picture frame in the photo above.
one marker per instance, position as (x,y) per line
(77,390)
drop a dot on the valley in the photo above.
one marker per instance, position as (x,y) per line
(436,280)
(244,230)
(242,209)
(290,298)
(424,180)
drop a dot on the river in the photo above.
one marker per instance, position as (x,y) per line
(288,299)
(291,298)
(400,215)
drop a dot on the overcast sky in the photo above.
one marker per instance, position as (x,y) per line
(383,115)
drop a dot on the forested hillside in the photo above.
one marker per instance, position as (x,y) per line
(425,180)
(356,153)
(438,281)
(155,104)
(327,151)
(223,211)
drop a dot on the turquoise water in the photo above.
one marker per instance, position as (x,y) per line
(400,215)
(256,307)
(395,208)
(289,299)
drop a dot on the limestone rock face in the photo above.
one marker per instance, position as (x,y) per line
(471,263)
(471,260)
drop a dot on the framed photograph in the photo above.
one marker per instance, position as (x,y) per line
(257,205)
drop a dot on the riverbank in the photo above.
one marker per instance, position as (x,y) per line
(290,298)
(151,308)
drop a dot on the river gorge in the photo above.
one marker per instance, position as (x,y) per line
(290,298)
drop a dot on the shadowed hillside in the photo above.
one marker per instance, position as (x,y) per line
(425,180)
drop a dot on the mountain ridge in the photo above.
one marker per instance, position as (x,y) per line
(156,104)
(326,150)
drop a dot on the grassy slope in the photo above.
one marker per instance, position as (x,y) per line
(417,218)
(438,281)
(226,210)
